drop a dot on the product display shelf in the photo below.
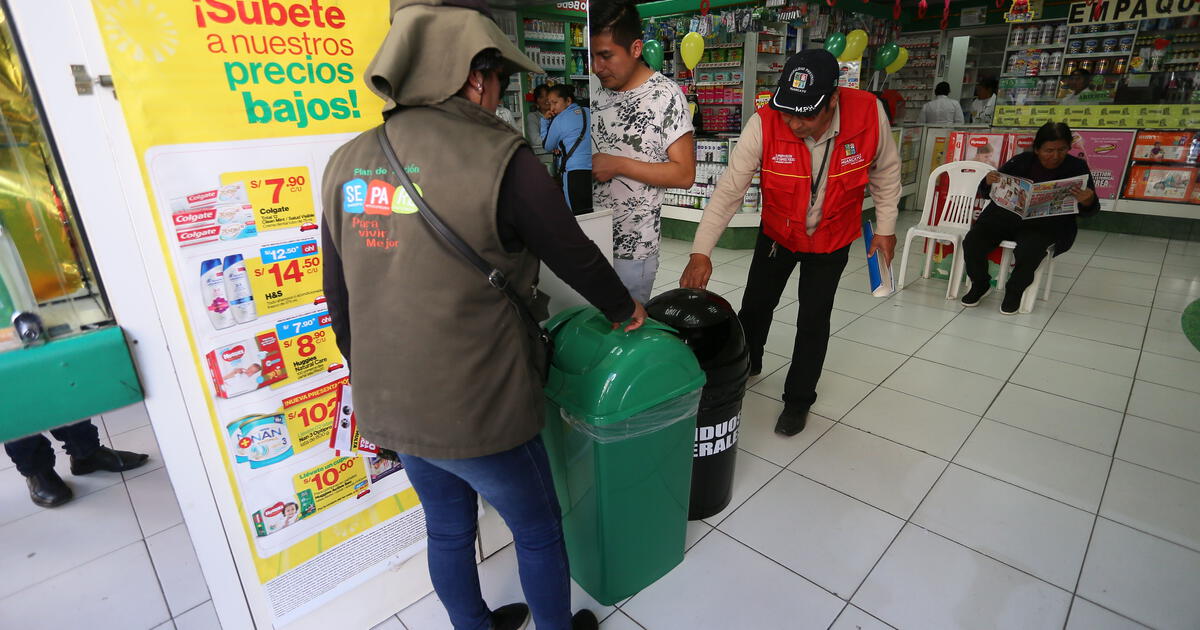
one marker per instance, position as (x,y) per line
(915,81)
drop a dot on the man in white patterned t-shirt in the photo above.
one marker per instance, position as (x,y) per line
(642,134)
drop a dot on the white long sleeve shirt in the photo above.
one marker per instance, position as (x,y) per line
(746,158)
(941,111)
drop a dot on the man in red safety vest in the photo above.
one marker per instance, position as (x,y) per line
(818,147)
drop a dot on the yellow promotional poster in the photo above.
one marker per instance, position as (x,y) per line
(234,109)
(281,197)
(310,415)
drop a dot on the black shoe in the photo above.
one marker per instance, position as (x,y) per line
(975,294)
(48,490)
(1011,303)
(510,617)
(791,421)
(755,367)
(107,459)
(584,620)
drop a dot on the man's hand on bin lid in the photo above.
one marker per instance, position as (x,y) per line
(697,273)
(636,320)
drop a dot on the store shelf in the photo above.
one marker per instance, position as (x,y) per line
(545,41)
(721,104)
(1108,34)
(1157,208)
(554,69)
(719,64)
(741,219)
(718,83)
(1042,47)
(771,34)
(579,48)
(711,46)
(579,77)
(1097,54)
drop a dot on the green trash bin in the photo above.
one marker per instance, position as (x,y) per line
(620,429)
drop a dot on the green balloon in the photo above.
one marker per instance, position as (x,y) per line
(887,54)
(835,44)
(652,52)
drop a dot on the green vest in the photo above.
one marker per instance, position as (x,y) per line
(442,365)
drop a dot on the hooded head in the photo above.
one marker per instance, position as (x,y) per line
(416,66)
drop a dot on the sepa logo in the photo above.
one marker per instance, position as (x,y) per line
(234,353)
(354,196)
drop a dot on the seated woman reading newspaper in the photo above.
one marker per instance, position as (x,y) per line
(1036,210)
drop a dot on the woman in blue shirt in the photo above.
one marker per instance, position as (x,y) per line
(567,134)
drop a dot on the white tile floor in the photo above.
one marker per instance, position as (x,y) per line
(962,469)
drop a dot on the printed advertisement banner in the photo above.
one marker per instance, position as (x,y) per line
(1106,116)
(1107,155)
(234,110)
(1121,10)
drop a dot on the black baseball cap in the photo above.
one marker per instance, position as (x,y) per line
(809,78)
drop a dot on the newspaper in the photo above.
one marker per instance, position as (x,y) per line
(1033,200)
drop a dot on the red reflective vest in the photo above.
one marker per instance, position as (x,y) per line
(787,176)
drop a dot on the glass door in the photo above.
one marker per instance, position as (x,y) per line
(48,284)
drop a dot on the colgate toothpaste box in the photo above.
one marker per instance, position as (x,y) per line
(223,214)
(242,367)
(234,193)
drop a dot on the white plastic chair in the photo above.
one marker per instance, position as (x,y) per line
(1031,293)
(957,215)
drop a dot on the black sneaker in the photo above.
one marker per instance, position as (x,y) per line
(584,620)
(791,421)
(510,617)
(975,294)
(1011,303)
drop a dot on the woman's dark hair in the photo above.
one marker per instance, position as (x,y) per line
(942,89)
(542,88)
(1050,132)
(563,91)
(618,18)
(489,61)
(991,83)
(1082,72)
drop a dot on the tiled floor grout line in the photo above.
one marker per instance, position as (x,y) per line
(917,507)
(942,474)
(1111,462)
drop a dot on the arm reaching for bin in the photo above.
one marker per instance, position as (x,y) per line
(533,213)
(726,200)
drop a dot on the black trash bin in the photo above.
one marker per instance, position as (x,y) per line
(710,327)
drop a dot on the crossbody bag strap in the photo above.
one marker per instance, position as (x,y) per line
(582,132)
(494,276)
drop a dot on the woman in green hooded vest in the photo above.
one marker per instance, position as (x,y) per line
(444,371)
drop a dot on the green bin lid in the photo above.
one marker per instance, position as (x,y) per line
(605,376)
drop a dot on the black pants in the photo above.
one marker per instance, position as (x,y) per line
(819,276)
(34,454)
(579,191)
(996,225)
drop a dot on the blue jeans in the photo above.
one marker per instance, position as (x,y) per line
(518,484)
(637,276)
